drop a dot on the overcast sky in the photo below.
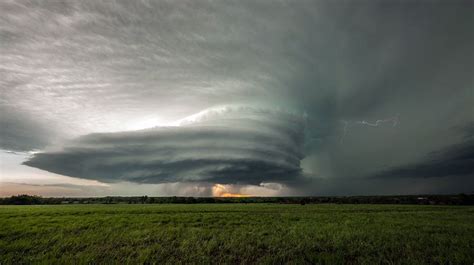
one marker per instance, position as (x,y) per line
(264,98)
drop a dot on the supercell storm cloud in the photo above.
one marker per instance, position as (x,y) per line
(319,97)
(236,145)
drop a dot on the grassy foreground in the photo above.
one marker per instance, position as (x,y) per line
(237,233)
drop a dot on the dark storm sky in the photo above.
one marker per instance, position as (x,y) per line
(296,97)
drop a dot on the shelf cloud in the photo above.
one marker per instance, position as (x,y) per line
(236,145)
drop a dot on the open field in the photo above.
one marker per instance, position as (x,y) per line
(237,233)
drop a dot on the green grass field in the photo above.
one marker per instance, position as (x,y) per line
(237,233)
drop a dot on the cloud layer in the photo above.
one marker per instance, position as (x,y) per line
(95,71)
(238,145)
(455,160)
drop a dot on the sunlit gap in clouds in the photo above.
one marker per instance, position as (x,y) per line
(219,190)
(154,121)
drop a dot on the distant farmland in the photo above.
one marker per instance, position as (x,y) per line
(237,233)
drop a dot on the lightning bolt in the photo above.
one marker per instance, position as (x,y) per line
(395,120)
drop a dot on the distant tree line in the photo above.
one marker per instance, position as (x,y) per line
(459,199)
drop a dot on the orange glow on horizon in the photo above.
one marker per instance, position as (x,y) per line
(219,190)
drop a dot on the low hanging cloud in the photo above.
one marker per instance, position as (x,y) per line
(455,160)
(229,145)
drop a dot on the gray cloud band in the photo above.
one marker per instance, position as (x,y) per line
(256,146)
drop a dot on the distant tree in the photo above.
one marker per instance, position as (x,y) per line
(25,200)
